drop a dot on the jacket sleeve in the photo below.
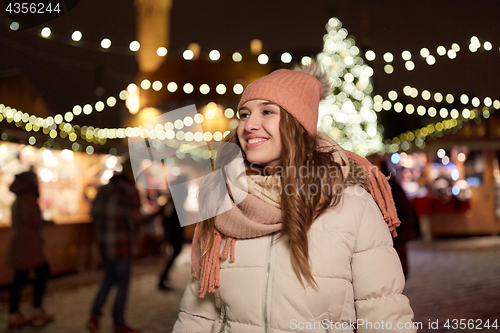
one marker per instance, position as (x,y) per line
(378,279)
(197,315)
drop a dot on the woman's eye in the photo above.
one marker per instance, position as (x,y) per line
(243,115)
(268,112)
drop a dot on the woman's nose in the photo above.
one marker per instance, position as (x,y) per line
(252,123)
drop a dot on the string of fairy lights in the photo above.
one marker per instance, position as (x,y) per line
(64,121)
(76,38)
(60,125)
(439,97)
(170,131)
(417,137)
(381,104)
(192,53)
(475,45)
(426,55)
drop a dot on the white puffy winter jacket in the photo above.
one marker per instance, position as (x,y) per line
(352,259)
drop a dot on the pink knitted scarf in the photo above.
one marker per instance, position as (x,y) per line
(379,188)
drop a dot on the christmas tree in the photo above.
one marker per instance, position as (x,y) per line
(347,115)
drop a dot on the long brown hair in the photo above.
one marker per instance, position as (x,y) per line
(299,208)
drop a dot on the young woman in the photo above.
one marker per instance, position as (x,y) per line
(309,248)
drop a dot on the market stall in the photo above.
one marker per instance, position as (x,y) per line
(68,182)
(455,191)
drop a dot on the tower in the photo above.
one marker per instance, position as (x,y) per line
(153,25)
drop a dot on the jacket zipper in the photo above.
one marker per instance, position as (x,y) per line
(224,320)
(268,273)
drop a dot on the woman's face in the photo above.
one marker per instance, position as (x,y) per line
(259,132)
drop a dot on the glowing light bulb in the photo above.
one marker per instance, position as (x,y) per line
(77,110)
(45,32)
(214,55)
(438,97)
(263,59)
(237,57)
(286,57)
(406,55)
(157,85)
(188,88)
(221,89)
(145,84)
(392,95)
(204,89)
(106,43)
(188,55)
(305,60)
(388,57)
(162,51)
(238,88)
(424,52)
(172,87)
(410,65)
(370,55)
(14,26)
(132,88)
(134,46)
(464,99)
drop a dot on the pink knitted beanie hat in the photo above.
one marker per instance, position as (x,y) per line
(297,91)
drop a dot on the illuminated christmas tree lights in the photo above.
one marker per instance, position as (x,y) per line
(347,115)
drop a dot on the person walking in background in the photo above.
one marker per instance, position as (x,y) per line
(25,251)
(116,217)
(172,229)
(406,213)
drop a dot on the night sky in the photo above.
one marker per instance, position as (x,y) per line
(65,74)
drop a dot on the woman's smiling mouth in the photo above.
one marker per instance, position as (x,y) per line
(254,142)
